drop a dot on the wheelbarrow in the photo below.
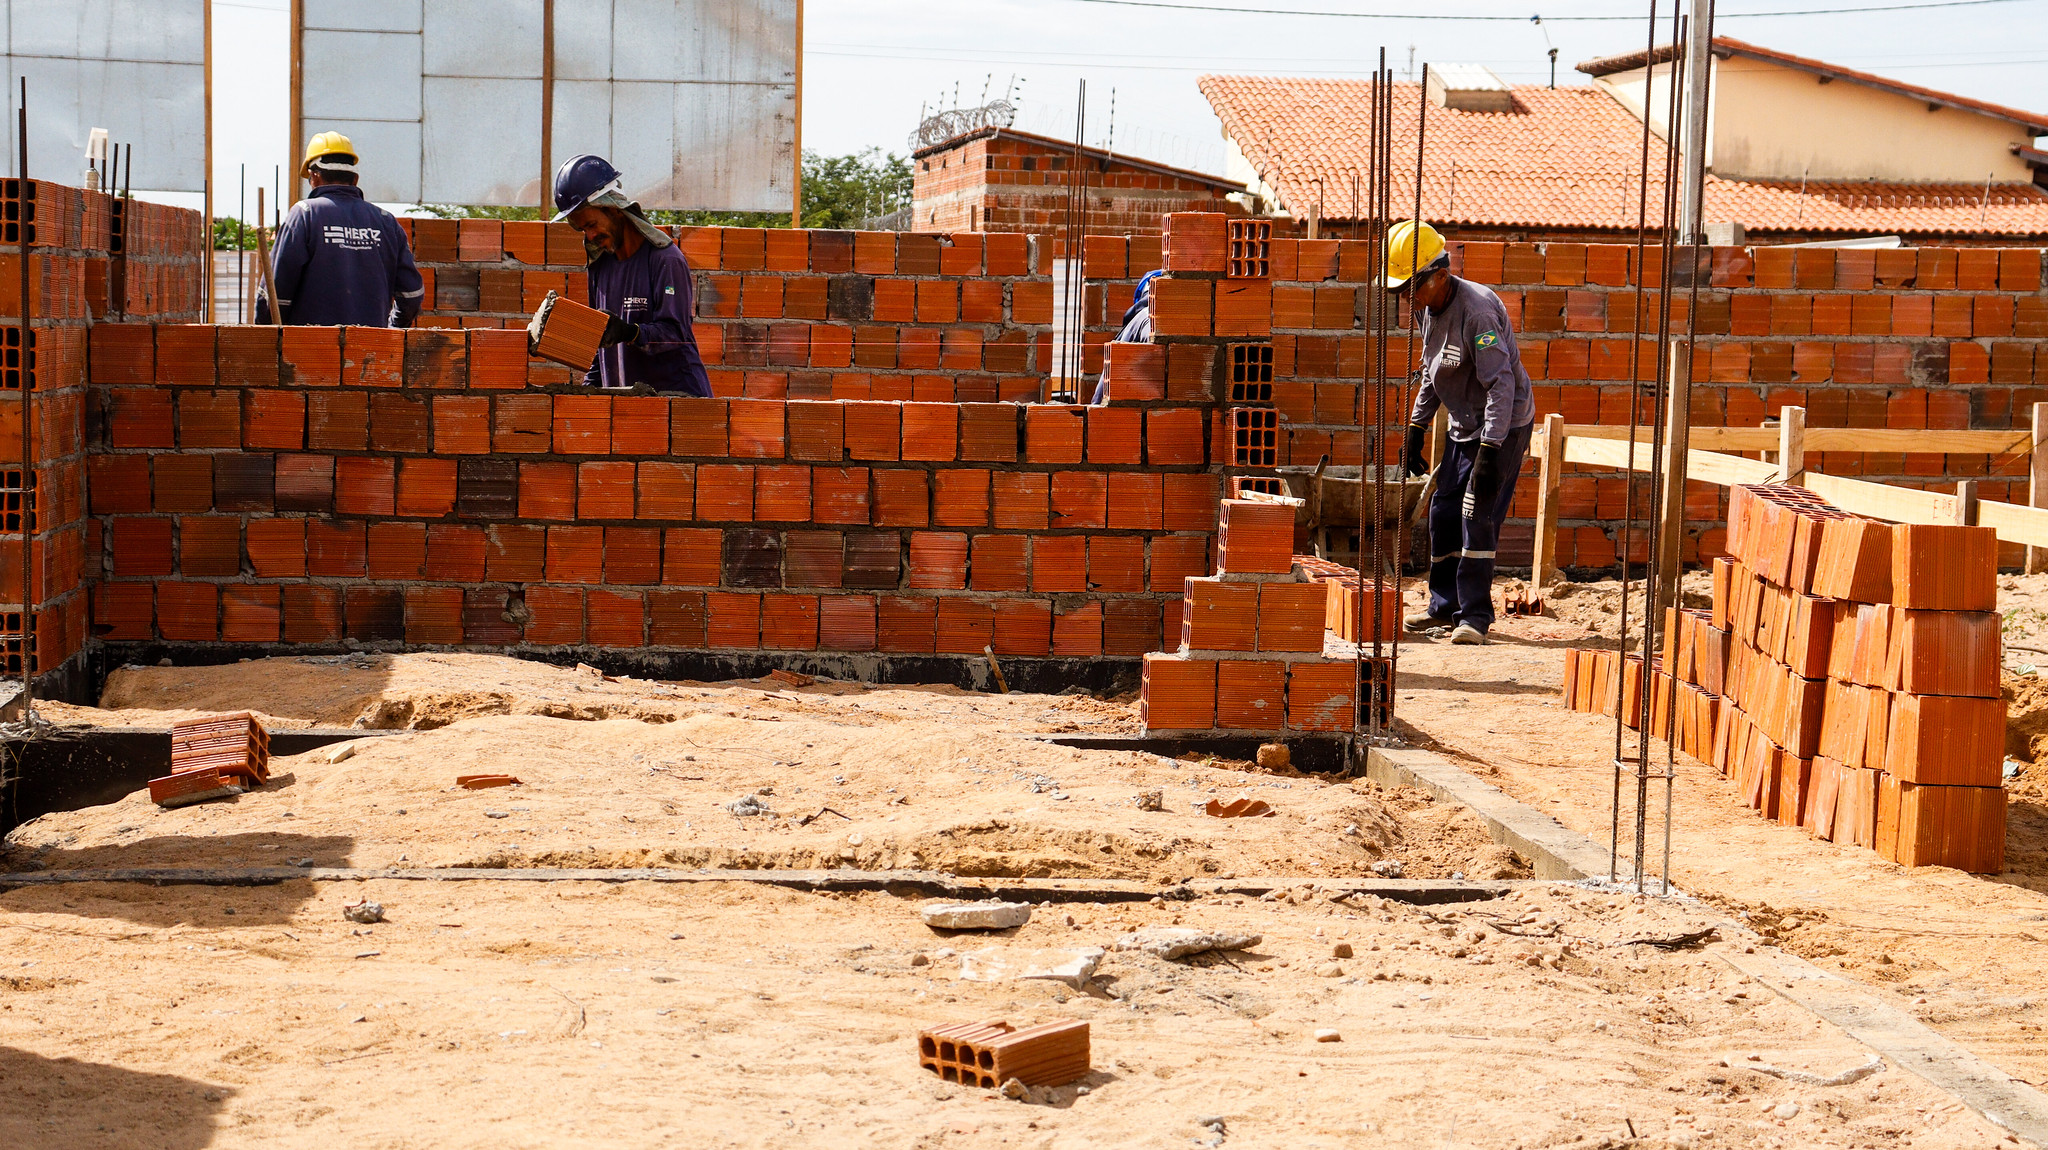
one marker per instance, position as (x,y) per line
(1337,506)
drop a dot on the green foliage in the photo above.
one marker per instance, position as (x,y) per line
(839,192)
(224,232)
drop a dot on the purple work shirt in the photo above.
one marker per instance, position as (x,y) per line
(652,289)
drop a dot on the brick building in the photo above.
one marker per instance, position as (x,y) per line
(1004,180)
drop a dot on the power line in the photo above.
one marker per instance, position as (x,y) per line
(1531,19)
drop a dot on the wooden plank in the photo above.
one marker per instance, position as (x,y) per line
(1707,466)
(1791,444)
(2037,482)
(1550,442)
(2015,524)
(1833,439)
(1879,501)
(1900,439)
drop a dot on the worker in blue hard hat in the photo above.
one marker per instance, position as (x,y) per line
(639,277)
(341,259)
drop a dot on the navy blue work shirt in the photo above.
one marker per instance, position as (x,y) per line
(650,288)
(341,259)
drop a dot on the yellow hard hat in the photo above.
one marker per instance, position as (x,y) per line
(328,144)
(1411,248)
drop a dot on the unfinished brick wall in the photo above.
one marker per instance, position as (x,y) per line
(314,485)
(997,181)
(1900,338)
(90,256)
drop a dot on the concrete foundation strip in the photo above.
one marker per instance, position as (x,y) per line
(1857,1010)
(1420,892)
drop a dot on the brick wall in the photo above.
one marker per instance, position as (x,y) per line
(90,256)
(867,478)
(1000,183)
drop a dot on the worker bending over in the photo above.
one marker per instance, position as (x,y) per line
(341,259)
(639,277)
(1471,368)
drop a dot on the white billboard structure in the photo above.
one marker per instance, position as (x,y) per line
(134,67)
(696,101)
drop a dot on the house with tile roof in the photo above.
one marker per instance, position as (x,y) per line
(1799,150)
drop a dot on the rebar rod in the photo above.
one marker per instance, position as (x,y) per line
(1635,405)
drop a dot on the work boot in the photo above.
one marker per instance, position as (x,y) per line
(1424,621)
(1466,635)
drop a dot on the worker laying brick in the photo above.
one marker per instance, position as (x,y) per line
(639,277)
(1470,368)
(341,260)
(1137,328)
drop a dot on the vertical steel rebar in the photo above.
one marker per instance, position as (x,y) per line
(28,433)
(1683,425)
(1652,589)
(1366,416)
(1407,375)
(1635,404)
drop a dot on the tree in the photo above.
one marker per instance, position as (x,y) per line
(225,229)
(839,192)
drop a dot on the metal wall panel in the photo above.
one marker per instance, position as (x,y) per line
(693,99)
(133,67)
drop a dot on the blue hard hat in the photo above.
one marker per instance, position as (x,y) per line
(579,179)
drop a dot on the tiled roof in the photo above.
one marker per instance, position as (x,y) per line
(1564,158)
(1727,47)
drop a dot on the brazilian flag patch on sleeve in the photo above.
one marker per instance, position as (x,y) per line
(1486,339)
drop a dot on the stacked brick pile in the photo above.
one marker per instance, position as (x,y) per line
(320,484)
(212,757)
(1347,616)
(1856,666)
(1251,639)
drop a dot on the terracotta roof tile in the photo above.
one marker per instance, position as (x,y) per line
(1564,158)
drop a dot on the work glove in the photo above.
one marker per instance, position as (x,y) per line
(1411,451)
(618,331)
(1484,483)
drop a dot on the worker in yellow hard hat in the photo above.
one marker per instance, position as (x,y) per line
(341,259)
(1470,368)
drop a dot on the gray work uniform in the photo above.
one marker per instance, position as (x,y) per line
(1471,368)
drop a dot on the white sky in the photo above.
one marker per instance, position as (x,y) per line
(869,65)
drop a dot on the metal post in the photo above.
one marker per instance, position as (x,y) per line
(206,248)
(1698,77)
(28,438)
(796,192)
(1550,481)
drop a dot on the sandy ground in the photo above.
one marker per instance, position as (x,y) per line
(738,1015)
(1968,954)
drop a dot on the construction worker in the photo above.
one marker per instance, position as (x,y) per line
(639,277)
(1137,328)
(341,259)
(1471,368)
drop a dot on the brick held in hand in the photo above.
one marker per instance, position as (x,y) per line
(1177,693)
(1944,568)
(571,334)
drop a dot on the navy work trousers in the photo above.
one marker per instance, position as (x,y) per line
(1461,549)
